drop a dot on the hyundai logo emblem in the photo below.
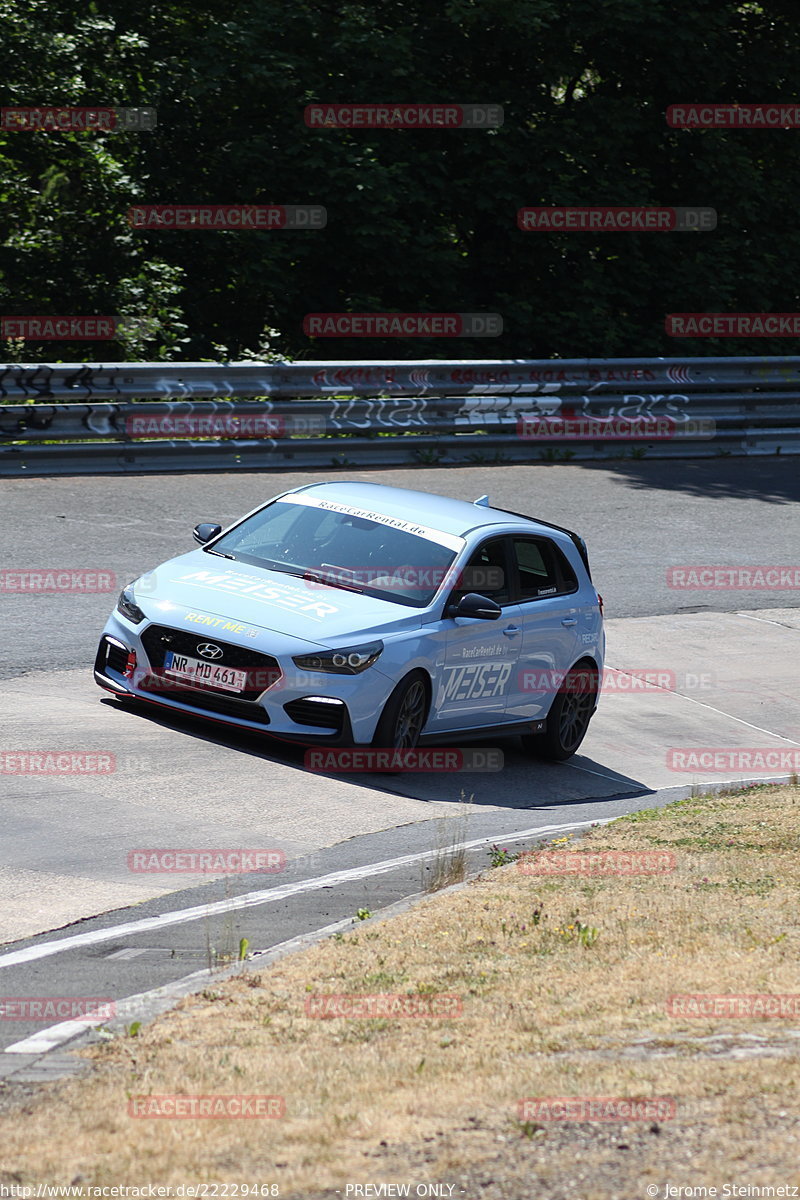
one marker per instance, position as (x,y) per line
(209,650)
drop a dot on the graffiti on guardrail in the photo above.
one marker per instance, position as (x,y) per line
(206,380)
(358,412)
(630,406)
(75,417)
(679,414)
(329,378)
(37,380)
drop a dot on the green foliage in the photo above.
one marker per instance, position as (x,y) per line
(417,221)
(579,934)
(501,857)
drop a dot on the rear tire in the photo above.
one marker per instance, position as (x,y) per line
(569,716)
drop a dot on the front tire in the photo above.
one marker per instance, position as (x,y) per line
(569,716)
(404,714)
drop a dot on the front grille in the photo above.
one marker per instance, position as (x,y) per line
(205,700)
(262,669)
(313,712)
(109,654)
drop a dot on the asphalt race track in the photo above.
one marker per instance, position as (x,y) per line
(638,517)
(64,841)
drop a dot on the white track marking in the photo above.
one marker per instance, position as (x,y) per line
(254,899)
(65,1031)
(740,720)
(48,1039)
(719,711)
(132,952)
(767,621)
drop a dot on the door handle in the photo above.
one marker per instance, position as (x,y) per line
(570,621)
(511,630)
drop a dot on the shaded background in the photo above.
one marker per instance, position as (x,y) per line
(417,221)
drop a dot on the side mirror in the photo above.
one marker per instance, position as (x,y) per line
(205,532)
(476,606)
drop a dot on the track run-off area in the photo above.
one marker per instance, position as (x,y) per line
(75,920)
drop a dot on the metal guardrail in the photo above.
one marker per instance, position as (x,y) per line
(92,418)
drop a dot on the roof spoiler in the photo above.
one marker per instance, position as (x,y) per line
(575,538)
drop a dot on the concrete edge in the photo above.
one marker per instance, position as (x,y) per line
(61,1061)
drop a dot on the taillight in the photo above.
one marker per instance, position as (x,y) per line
(600,602)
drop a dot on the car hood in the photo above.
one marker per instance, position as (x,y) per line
(312,612)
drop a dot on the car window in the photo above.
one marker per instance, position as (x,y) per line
(266,533)
(346,549)
(542,569)
(485,573)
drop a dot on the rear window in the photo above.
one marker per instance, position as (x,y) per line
(543,569)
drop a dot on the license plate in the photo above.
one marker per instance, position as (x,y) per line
(194,670)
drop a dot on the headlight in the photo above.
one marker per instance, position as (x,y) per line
(128,606)
(351,660)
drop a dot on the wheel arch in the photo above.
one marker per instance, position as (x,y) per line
(416,672)
(586,660)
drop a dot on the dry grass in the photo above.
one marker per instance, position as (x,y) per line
(411,1100)
(449,865)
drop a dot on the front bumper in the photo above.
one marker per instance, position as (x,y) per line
(284,702)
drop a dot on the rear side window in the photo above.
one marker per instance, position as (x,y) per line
(542,569)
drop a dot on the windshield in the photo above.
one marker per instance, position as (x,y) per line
(335,546)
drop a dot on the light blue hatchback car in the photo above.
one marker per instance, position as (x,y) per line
(353,614)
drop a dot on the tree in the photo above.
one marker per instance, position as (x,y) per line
(417,220)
